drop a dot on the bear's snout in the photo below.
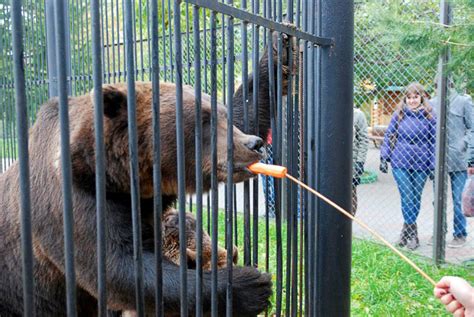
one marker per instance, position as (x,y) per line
(254,143)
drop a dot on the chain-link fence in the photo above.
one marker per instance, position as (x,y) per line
(399,151)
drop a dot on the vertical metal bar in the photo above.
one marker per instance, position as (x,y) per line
(51,48)
(133,148)
(163,38)
(180,152)
(198,144)
(105,42)
(67,46)
(42,60)
(276,158)
(157,191)
(308,72)
(214,185)
(142,65)
(170,34)
(206,62)
(255,99)
(100,156)
(112,35)
(439,244)
(314,99)
(135,41)
(74,56)
(236,227)
(188,56)
(118,15)
(230,156)
(334,230)
(149,39)
(223,29)
(245,97)
(65,159)
(208,198)
(22,126)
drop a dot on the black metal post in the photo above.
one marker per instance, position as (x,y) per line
(334,159)
(439,242)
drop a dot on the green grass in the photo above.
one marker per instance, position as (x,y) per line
(382,284)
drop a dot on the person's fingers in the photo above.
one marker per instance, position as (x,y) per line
(445,282)
(446,299)
(438,292)
(453,306)
(461,312)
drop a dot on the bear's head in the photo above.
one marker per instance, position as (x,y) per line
(247,148)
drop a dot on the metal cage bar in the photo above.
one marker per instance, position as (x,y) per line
(22,128)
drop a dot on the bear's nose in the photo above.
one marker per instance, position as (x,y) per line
(255,143)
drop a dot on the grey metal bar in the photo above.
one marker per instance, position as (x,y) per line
(99,156)
(170,34)
(255,97)
(65,158)
(334,231)
(142,68)
(163,28)
(51,48)
(157,191)
(214,183)
(230,157)
(180,153)
(198,144)
(265,22)
(439,235)
(133,149)
(118,15)
(188,56)
(245,97)
(22,128)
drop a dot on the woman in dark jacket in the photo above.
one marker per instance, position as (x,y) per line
(409,146)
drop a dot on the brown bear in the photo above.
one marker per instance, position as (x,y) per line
(170,232)
(251,288)
(264,120)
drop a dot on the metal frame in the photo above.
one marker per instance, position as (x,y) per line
(327,67)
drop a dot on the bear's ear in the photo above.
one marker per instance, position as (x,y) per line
(115,100)
(285,39)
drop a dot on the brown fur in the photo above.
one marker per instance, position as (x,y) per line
(251,289)
(171,242)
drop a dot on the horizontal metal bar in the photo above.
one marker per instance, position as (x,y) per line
(258,20)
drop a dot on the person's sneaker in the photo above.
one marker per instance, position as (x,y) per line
(457,242)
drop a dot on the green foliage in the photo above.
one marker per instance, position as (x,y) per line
(400,41)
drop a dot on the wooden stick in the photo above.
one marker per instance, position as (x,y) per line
(363,225)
